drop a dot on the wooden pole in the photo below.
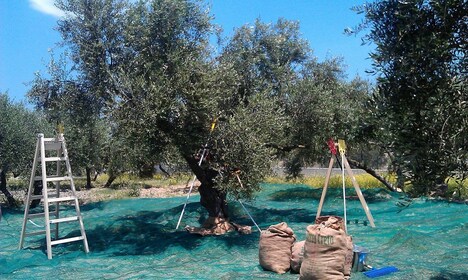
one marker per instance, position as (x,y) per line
(358,191)
(324,192)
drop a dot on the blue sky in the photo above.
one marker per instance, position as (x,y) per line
(27,33)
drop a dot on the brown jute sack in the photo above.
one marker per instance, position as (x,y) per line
(337,223)
(275,248)
(349,257)
(297,256)
(333,222)
(326,251)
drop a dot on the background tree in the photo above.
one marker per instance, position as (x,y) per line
(421,97)
(64,99)
(18,136)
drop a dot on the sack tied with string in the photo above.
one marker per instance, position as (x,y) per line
(275,248)
(297,256)
(327,251)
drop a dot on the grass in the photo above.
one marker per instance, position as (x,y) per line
(456,189)
(365,181)
(125,186)
(129,182)
(129,185)
(17,183)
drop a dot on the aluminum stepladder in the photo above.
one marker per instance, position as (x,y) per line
(51,198)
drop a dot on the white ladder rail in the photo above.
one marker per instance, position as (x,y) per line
(28,199)
(45,197)
(58,159)
(73,189)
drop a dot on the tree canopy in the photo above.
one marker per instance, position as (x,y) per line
(419,110)
(18,130)
(147,71)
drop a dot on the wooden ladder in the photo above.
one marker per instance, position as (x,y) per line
(51,198)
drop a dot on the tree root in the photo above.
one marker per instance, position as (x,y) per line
(218,226)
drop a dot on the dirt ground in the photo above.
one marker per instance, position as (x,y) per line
(169,191)
(101,194)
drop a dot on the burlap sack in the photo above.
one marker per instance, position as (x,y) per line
(297,256)
(349,257)
(275,248)
(333,222)
(326,251)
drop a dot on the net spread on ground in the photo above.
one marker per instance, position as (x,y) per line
(135,238)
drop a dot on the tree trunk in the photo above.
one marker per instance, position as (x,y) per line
(3,187)
(111,179)
(88,178)
(214,201)
(37,191)
(164,171)
(372,172)
(146,171)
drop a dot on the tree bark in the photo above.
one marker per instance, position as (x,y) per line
(211,199)
(146,171)
(111,179)
(214,201)
(3,188)
(88,178)
(37,191)
(164,171)
(371,172)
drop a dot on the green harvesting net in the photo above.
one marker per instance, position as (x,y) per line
(135,238)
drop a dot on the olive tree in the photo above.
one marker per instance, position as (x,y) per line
(18,134)
(63,99)
(149,69)
(421,97)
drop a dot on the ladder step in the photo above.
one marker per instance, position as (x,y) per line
(57,179)
(66,240)
(36,215)
(40,196)
(52,146)
(48,140)
(48,159)
(62,199)
(64,220)
(53,178)
(41,232)
(36,196)
(40,215)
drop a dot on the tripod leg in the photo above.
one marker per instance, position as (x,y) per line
(324,192)
(359,193)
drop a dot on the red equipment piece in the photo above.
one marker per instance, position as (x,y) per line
(331,145)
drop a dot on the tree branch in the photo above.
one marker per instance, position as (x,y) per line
(196,169)
(284,148)
(372,172)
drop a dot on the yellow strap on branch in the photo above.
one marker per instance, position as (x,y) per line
(213,124)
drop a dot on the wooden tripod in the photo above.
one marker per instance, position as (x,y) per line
(342,148)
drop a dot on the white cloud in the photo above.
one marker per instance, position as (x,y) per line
(47,7)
